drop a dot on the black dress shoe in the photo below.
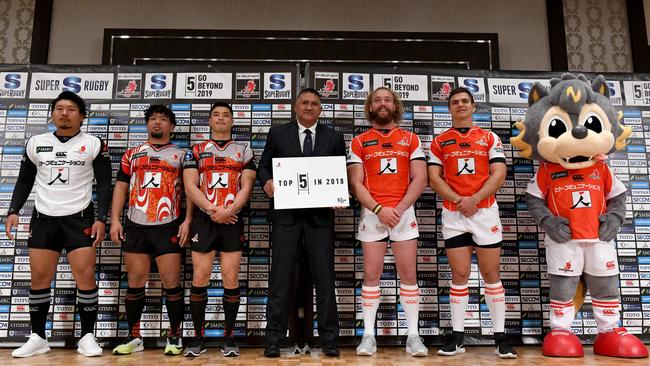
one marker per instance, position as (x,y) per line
(331,349)
(272,350)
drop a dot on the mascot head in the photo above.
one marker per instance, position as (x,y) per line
(573,124)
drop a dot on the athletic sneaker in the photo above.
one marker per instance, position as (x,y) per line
(504,349)
(174,346)
(35,345)
(415,346)
(88,346)
(130,345)
(230,348)
(195,348)
(368,346)
(454,345)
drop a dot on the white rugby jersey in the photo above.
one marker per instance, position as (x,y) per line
(64,171)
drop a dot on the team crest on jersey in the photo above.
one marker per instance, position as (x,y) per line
(83,150)
(59,176)
(466,166)
(581,199)
(595,175)
(482,141)
(151,180)
(404,141)
(388,166)
(219,180)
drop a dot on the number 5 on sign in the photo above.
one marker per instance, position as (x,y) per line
(320,181)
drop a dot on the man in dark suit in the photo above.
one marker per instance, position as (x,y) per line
(312,227)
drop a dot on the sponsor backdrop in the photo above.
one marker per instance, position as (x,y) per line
(261,96)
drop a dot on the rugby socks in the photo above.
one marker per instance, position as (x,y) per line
(87,302)
(39,306)
(409,298)
(607,314)
(198,302)
(369,303)
(134,304)
(458,299)
(230,308)
(561,314)
(174,304)
(495,298)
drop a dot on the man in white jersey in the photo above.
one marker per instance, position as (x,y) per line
(63,166)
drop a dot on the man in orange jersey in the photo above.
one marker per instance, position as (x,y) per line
(466,168)
(387,174)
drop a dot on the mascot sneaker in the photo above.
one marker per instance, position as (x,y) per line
(619,343)
(562,343)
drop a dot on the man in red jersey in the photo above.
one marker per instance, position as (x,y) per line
(151,176)
(387,174)
(466,168)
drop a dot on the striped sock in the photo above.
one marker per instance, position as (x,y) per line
(458,299)
(369,304)
(495,298)
(409,297)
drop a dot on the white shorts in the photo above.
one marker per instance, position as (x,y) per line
(573,258)
(484,225)
(370,229)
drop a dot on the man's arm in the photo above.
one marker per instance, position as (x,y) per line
(416,186)
(24,185)
(386,215)
(120,192)
(440,186)
(490,187)
(247,183)
(265,169)
(102,172)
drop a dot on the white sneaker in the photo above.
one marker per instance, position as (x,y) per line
(88,346)
(34,346)
(415,346)
(367,347)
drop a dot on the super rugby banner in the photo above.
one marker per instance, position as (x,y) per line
(262,96)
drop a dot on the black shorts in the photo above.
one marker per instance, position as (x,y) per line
(154,241)
(465,240)
(206,235)
(56,233)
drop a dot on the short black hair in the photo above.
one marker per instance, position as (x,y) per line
(221,104)
(74,98)
(459,90)
(162,109)
(309,91)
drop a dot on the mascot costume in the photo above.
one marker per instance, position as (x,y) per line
(580,204)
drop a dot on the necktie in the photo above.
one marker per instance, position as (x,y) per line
(307,145)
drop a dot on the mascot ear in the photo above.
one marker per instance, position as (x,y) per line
(537,92)
(599,85)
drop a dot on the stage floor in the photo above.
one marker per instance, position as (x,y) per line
(386,356)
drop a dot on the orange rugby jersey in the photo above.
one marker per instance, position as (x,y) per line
(154,174)
(386,157)
(579,195)
(465,159)
(220,164)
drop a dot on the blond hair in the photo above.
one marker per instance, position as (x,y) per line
(399,107)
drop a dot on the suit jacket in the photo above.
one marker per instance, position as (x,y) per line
(282,142)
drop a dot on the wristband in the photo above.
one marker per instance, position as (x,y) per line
(377,209)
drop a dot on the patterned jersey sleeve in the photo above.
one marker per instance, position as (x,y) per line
(495,154)
(435,153)
(538,186)
(613,186)
(355,152)
(249,158)
(416,148)
(191,160)
(124,172)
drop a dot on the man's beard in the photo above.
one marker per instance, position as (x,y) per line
(384,120)
(156,134)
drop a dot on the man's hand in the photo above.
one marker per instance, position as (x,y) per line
(12,222)
(117,232)
(184,232)
(269,188)
(388,216)
(98,231)
(223,215)
(467,206)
